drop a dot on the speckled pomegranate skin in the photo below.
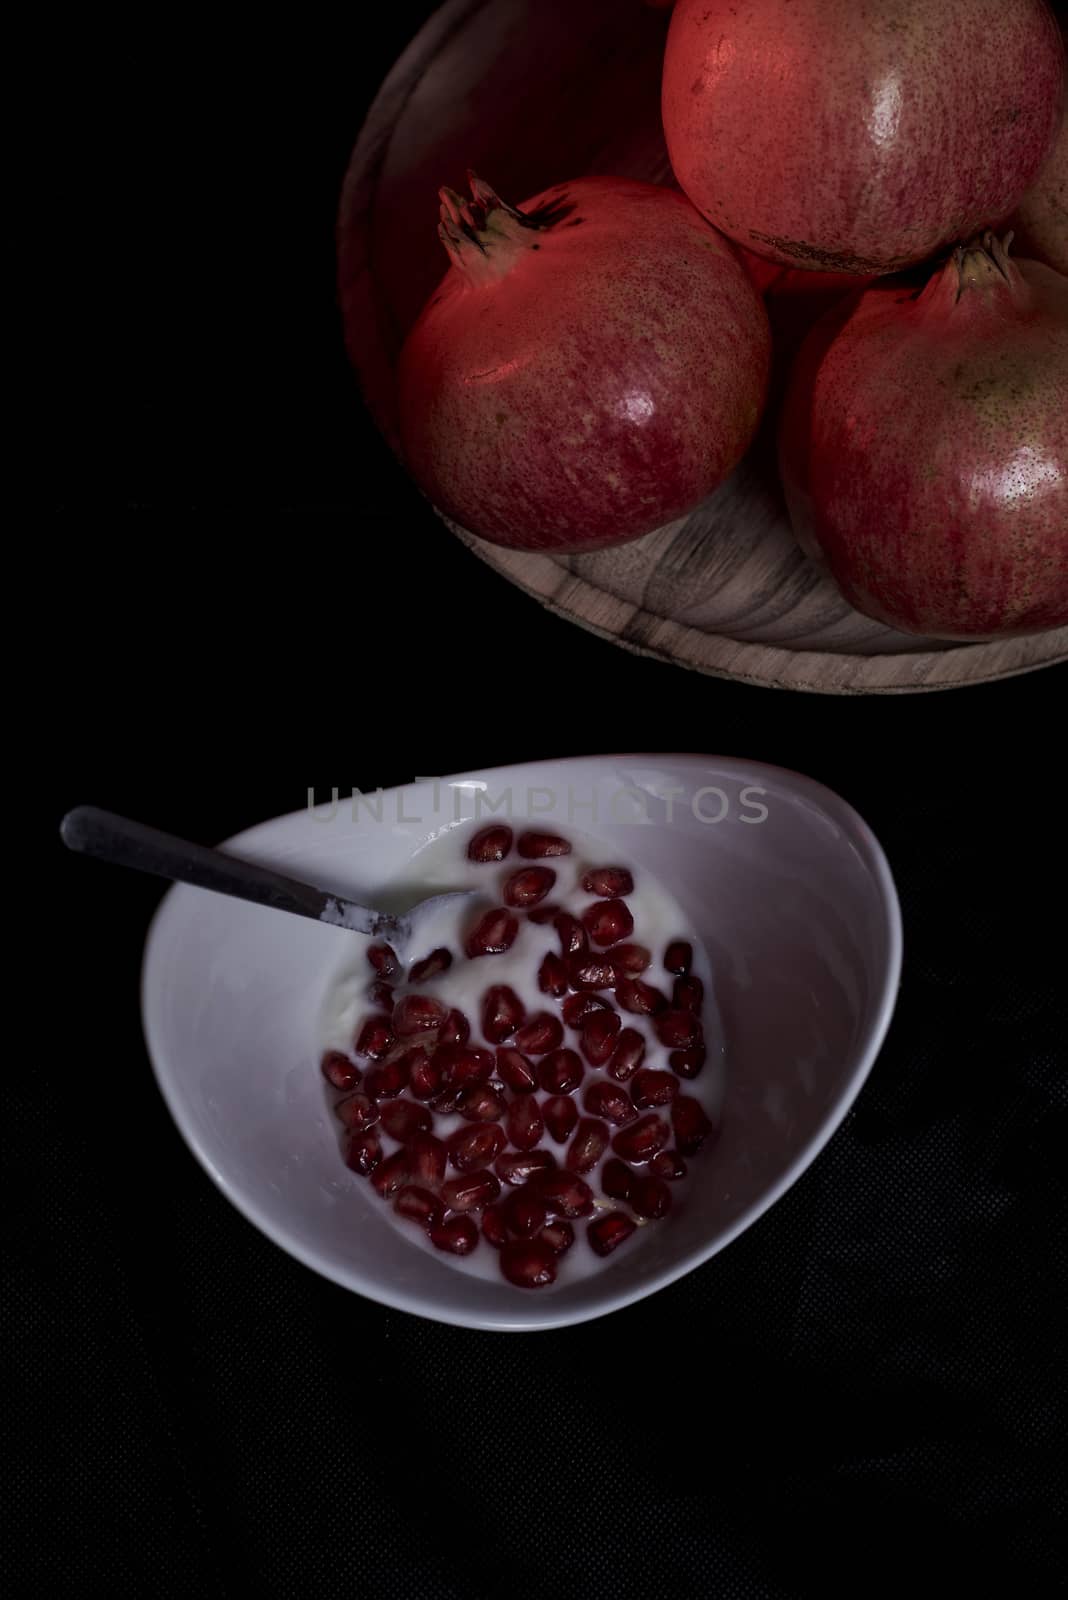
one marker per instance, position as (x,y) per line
(1040,222)
(604,385)
(924,451)
(859,135)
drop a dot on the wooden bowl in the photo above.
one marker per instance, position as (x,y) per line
(536,92)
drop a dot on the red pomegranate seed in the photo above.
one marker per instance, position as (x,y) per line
(629,960)
(457,1235)
(419,1205)
(534,846)
(417,1013)
(403,1119)
(691,1125)
(598,1038)
(426,1078)
(540,1034)
(560,1072)
(481,1102)
(528,886)
(543,914)
(390,1174)
(502,1013)
(577,1007)
(608,921)
(616,1179)
(573,937)
(608,882)
(382,994)
(609,1231)
(552,977)
(515,1071)
(382,1083)
(523,1122)
(650,1197)
(688,994)
(558,1235)
(640,998)
(528,1263)
(523,1213)
(609,1101)
(641,1141)
(653,1088)
(678,1030)
(437,961)
(363,1153)
(462,1065)
(339,1071)
(490,844)
(628,1055)
(374,1038)
(563,1194)
(587,1147)
(687,1063)
(358,1112)
(471,1190)
(384,960)
(444,1102)
(560,1115)
(426,1157)
(518,1167)
(590,972)
(668,1164)
(455,1029)
(492,934)
(493,1228)
(678,956)
(473,1148)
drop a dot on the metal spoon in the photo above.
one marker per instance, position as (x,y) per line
(130,844)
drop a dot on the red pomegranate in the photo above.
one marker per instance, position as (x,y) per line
(924,448)
(1040,224)
(859,138)
(592,365)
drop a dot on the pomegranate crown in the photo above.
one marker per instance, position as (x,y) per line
(484,236)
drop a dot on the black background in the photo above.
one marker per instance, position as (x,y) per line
(869,1381)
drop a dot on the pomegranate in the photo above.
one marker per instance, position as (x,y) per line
(593,365)
(490,844)
(560,1114)
(437,961)
(339,1071)
(363,1153)
(472,1148)
(534,846)
(458,1235)
(520,1167)
(608,922)
(609,1231)
(629,960)
(860,139)
(1040,222)
(492,934)
(528,886)
(587,1147)
(924,448)
(609,882)
(627,1056)
(528,1263)
(516,1072)
(678,957)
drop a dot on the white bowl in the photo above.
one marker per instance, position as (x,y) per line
(787,886)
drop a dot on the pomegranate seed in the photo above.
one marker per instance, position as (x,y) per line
(383,1083)
(650,1197)
(629,960)
(552,977)
(616,1179)
(384,960)
(558,1235)
(687,1063)
(587,1147)
(641,1141)
(339,1071)
(493,1228)
(591,972)
(516,1071)
(668,1164)
(426,1078)
(502,1013)
(472,1190)
(608,882)
(382,994)
(628,1055)
(533,846)
(609,1231)
(457,1235)
(444,1102)
(639,997)
(492,934)
(463,1065)
(691,1125)
(543,914)
(437,961)
(609,1101)
(363,1153)
(560,1115)
(578,1007)
(528,1263)
(573,937)
(426,1157)
(608,921)
(523,1213)
(688,994)
(419,1205)
(528,886)
(599,1036)
(455,1029)
(473,1148)
(520,1166)
(358,1112)
(653,1088)
(374,1038)
(481,1102)
(416,1013)
(390,1174)
(563,1194)
(523,1121)
(542,1033)
(403,1119)
(678,956)
(560,1072)
(490,844)
(679,1030)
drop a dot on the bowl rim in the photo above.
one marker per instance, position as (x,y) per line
(882,1009)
